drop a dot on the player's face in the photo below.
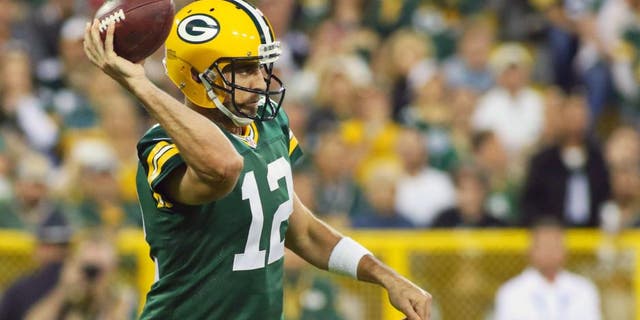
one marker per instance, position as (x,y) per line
(250,75)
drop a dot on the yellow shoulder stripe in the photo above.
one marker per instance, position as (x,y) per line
(159,155)
(293,142)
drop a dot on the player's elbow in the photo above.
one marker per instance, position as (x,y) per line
(228,174)
(218,181)
(232,170)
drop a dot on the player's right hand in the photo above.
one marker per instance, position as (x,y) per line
(104,57)
(408,298)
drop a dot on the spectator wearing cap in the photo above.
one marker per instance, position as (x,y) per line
(69,81)
(512,109)
(97,199)
(53,236)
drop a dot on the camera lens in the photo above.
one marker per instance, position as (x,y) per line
(91,271)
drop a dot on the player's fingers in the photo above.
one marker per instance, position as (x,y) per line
(108,42)
(408,311)
(423,307)
(90,53)
(89,48)
(95,38)
(87,39)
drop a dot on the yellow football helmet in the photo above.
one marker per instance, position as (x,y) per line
(208,36)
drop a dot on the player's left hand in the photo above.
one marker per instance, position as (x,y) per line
(411,300)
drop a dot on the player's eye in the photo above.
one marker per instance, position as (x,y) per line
(247,68)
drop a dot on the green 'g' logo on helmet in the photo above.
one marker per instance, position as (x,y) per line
(198,28)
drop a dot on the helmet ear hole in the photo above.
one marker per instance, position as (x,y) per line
(195,75)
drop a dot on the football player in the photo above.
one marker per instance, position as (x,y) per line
(214,180)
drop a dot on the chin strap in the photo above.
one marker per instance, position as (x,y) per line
(238,121)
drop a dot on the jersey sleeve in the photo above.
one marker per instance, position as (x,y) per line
(295,152)
(159,156)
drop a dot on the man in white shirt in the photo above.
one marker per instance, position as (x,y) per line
(512,109)
(424,191)
(545,291)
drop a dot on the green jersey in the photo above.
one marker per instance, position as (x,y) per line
(224,259)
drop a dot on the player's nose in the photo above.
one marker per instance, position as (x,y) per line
(258,81)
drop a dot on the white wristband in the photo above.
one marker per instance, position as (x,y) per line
(345,257)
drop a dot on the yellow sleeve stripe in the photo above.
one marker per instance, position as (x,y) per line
(255,132)
(160,202)
(159,155)
(293,142)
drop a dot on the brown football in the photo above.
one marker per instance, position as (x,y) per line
(142,26)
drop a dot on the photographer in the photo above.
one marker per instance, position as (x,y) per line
(87,288)
(53,236)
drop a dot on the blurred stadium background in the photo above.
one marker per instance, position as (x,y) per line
(450,124)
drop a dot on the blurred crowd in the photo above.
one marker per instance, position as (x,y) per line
(411,113)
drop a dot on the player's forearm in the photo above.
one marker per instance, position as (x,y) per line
(372,270)
(315,247)
(202,144)
(309,237)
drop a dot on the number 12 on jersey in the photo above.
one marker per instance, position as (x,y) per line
(252,257)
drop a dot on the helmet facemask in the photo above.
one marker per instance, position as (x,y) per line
(270,98)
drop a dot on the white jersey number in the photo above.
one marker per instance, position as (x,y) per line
(252,257)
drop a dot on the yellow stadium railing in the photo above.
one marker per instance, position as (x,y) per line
(591,253)
(462,269)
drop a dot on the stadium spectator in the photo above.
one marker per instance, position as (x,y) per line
(504,185)
(87,287)
(554,99)
(371,134)
(309,295)
(623,157)
(380,190)
(32,199)
(569,179)
(339,79)
(623,147)
(405,62)
(211,154)
(469,211)
(545,290)
(432,113)
(512,109)
(469,67)
(617,29)
(423,191)
(68,96)
(22,110)
(335,190)
(578,54)
(44,25)
(463,102)
(96,197)
(53,237)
